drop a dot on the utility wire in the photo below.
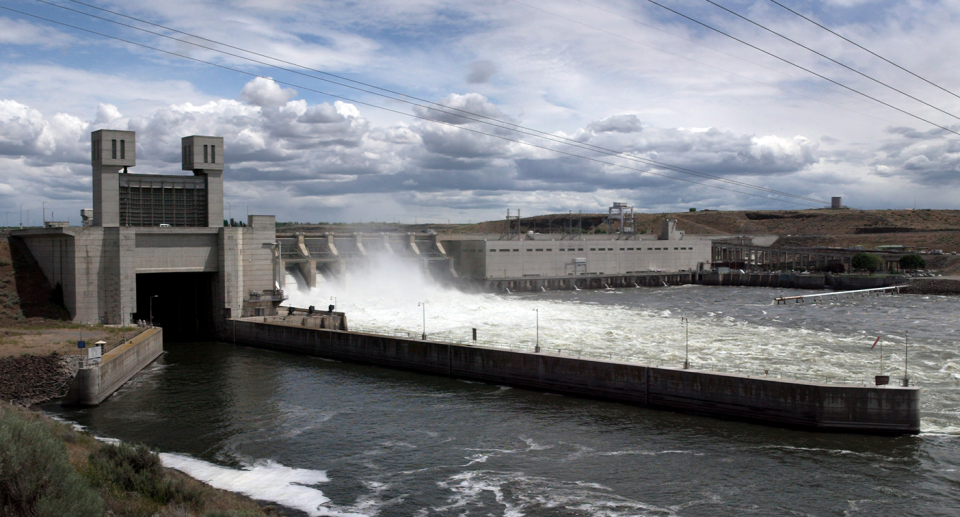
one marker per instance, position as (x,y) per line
(405,99)
(854,43)
(341,97)
(828,58)
(614,34)
(781,72)
(791,63)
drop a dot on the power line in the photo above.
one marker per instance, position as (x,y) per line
(781,72)
(460,113)
(791,63)
(571,20)
(828,58)
(336,96)
(854,43)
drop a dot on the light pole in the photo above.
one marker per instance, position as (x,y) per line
(45,212)
(334,298)
(686,355)
(424,305)
(537,347)
(123,323)
(151,308)
(21,216)
(229,213)
(906,339)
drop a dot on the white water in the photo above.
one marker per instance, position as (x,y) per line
(596,324)
(264,481)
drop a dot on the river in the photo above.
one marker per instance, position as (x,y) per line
(329,438)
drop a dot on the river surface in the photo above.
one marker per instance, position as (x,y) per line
(329,438)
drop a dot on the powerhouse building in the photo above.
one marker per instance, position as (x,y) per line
(558,255)
(155,245)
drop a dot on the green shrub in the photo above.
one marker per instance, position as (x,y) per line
(4,262)
(866,261)
(135,468)
(912,262)
(36,477)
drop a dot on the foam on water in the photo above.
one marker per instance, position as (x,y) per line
(385,297)
(265,481)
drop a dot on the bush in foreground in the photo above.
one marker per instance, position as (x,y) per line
(36,477)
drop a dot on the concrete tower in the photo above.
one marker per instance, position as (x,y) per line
(110,153)
(204,156)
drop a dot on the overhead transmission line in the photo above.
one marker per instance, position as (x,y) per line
(861,47)
(611,153)
(791,63)
(430,105)
(614,34)
(828,58)
(781,72)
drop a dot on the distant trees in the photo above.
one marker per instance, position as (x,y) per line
(912,262)
(866,262)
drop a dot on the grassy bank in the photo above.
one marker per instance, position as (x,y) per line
(49,469)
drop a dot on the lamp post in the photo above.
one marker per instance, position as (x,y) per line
(21,216)
(45,212)
(424,305)
(229,213)
(906,339)
(334,299)
(151,308)
(537,347)
(686,355)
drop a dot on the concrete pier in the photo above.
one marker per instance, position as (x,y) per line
(813,406)
(95,382)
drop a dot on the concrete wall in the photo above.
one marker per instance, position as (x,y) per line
(96,383)
(174,252)
(889,410)
(258,237)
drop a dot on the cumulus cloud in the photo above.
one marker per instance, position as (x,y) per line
(107,113)
(616,123)
(469,105)
(278,147)
(266,93)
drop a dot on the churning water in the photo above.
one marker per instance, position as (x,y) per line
(329,438)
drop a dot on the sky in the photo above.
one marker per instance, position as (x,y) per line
(409,111)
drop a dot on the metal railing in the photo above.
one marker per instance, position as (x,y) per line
(580,353)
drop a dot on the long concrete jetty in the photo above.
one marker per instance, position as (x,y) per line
(96,381)
(819,407)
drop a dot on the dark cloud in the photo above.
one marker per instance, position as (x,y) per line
(481,72)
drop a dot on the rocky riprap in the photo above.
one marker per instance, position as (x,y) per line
(30,379)
(935,286)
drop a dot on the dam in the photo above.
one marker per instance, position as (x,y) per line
(156,249)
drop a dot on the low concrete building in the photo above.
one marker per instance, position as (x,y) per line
(157,244)
(555,255)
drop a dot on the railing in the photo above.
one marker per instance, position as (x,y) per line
(579,353)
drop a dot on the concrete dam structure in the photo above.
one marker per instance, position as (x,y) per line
(805,405)
(156,248)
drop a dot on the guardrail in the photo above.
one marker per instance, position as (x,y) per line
(579,353)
